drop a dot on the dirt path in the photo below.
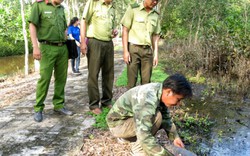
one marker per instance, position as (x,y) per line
(18,129)
(16,88)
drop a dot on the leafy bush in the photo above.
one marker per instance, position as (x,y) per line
(10,48)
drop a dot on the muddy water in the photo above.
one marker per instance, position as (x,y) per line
(12,64)
(230,135)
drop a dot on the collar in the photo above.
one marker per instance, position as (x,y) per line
(160,92)
(141,6)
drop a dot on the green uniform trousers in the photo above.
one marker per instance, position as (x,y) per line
(142,62)
(53,58)
(100,57)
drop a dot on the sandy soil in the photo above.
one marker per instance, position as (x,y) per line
(17,87)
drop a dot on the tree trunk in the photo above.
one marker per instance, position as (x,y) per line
(77,9)
(68,11)
(26,66)
(73,9)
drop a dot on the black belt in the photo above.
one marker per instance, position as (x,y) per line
(53,43)
(141,46)
(98,39)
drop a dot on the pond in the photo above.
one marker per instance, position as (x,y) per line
(13,64)
(230,135)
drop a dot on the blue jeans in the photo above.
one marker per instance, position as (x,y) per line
(75,63)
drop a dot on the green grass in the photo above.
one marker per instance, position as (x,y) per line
(200,80)
(158,75)
(2,75)
(122,79)
(100,120)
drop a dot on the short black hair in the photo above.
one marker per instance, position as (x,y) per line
(178,84)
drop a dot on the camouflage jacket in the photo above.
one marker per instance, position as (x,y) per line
(142,103)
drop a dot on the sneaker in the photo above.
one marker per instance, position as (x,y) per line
(38,116)
(76,73)
(64,111)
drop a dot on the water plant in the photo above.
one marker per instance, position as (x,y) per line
(193,129)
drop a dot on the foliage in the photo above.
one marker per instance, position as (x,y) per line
(122,80)
(10,49)
(193,129)
(11,37)
(100,120)
(221,29)
(197,79)
(158,75)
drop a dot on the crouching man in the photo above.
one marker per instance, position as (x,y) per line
(141,111)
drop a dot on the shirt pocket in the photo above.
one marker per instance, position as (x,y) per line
(48,18)
(101,15)
(151,26)
(139,24)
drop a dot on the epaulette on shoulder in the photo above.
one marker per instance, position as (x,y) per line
(134,5)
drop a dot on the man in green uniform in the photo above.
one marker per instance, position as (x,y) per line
(141,111)
(98,26)
(140,36)
(48,26)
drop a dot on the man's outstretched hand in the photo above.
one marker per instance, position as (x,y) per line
(179,143)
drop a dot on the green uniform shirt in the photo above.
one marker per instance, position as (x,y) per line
(49,20)
(141,24)
(142,103)
(100,19)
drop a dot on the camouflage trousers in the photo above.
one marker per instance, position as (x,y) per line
(127,131)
